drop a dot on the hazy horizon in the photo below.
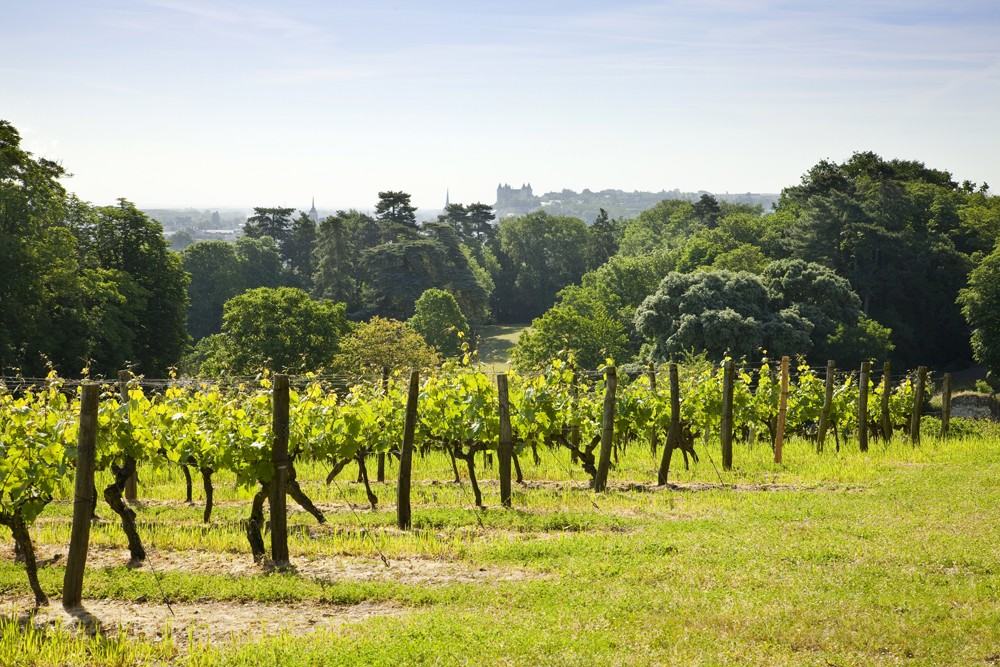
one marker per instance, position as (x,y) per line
(224,104)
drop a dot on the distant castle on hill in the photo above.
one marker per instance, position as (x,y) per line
(619,204)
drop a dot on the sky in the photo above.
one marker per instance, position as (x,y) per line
(219,103)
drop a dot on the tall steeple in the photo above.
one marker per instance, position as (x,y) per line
(312,212)
(447,198)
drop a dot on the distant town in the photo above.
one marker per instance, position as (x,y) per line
(186,225)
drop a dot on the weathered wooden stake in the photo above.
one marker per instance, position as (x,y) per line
(779,436)
(279,459)
(884,407)
(607,429)
(728,375)
(132,483)
(946,405)
(674,433)
(380,470)
(506,452)
(403,518)
(918,404)
(866,368)
(83,498)
(824,414)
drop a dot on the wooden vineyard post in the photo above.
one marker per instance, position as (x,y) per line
(918,405)
(884,407)
(380,471)
(506,441)
(651,374)
(403,518)
(728,373)
(132,483)
(674,434)
(824,414)
(866,368)
(607,429)
(79,541)
(279,460)
(946,405)
(779,436)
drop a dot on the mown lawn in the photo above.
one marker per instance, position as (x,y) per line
(884,558)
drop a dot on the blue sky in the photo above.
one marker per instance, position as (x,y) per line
(239,103)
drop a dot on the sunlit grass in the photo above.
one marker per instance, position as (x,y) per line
(885,557)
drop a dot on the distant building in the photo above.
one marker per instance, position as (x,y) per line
(313,214)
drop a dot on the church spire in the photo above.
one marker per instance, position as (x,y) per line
(312,211)
(447,198)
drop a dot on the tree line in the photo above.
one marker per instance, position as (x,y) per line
(862,259)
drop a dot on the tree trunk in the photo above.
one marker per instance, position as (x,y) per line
(22,538)
(206,481)
(256,524)
(363,472)
(113,496)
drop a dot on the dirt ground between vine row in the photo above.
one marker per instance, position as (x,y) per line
(416,571)
(201,621)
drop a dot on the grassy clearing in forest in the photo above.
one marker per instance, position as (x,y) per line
(843,558)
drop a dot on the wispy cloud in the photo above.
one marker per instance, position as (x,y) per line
(241,16)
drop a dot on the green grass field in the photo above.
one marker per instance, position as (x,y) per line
(496,342)
(884,558)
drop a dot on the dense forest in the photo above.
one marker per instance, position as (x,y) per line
(868,259)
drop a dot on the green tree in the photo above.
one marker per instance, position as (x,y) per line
(980,303)
(279,328)
(297,252)
(707,210)
(580,323)
(335,260)
(604,236)
(395,215)
(719,313)
(383,343)
(126,239)
(440,321)
(895,229)
(216,277)
(275,222)
(260,262)
(546,254)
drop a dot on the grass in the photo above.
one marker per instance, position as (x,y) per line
(496,342)
(884,558)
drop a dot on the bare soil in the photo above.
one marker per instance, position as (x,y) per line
(418,571)
(201,621)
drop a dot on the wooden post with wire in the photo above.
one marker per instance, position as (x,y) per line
(380,471)
(403,517)
(607,429)
(918,404)
(132,483)
(866,368)
(279,460)
(824,414)
(946,405)
(79,541)
(506,452)
(779,436)
(726,427)
(886,416)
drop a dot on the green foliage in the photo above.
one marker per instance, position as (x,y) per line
(395,215)
(278,328)
(545,253)
(980,302)
(383,343)
(580,323)
(216,277)
(440,321)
